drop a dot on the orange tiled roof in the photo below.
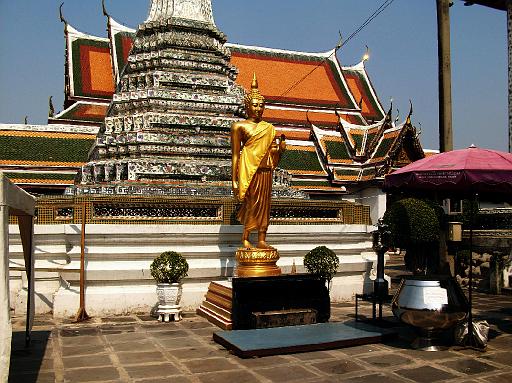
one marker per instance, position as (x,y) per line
(45,181)
(360,87)
(28,133)
(299,135)
(40,163)
(301,116)
(279,75)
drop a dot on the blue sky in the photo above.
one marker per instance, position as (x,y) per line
(402,40)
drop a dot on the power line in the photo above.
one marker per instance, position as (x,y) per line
(341,44)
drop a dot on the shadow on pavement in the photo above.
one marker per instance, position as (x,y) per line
(27,362)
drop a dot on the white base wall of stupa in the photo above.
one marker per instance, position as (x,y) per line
(118,257)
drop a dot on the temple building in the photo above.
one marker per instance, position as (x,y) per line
(139,162)
(340,140)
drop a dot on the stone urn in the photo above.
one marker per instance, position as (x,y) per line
(169,296)
(431,304)
(168,269)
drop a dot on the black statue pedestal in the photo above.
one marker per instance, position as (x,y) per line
(269,301)
(282,300)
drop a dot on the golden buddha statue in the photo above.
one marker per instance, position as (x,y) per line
(255,153)
(253,166)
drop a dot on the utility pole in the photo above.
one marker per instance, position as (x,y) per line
(509,29)
(445,79)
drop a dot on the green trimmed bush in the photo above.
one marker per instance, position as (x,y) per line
(415,227)
(169,267)
(323,262)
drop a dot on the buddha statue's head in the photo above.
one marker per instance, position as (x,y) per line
(254,102)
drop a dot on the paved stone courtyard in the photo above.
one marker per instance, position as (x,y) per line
(137,348)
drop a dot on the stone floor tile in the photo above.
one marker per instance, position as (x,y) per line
(425,374)
(239,376)
(196,353)
(372,378)
(359,350)
(91,374)
(32,365)
(89,361)
(37,377)
(307,356)
(67,332)
(169,334)
(117,329)
(82,341)
(428,356)
(501,378)
(385,360)
(119,320)
(204,332)
(83,350)
(159,370)
(140,357)
(210,365)
(288,373)
(174,343)
(501,357)
(469,366)
(265,361)
(175,379)
(338,367)
(501,341)
(198,325)
(144,345)
(125,337)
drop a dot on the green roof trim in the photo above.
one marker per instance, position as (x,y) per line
(300,160)
(369,172)
(337,150)
(310,183)
(384,147)
(346,172)
(358,140)
(44,149)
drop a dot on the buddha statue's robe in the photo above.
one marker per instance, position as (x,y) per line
(255,167)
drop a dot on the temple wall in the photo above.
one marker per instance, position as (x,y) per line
(373,197)
(118,259)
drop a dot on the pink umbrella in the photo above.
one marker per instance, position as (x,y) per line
(466,171)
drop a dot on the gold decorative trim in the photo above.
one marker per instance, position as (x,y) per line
(257,263)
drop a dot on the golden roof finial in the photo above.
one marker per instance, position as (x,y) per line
(366,56)
(410,114)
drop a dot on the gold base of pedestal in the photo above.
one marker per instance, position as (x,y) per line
(257,263)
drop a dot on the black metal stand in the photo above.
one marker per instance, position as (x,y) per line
(380,294)
(376,300)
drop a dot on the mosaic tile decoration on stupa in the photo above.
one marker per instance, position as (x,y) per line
(338,134)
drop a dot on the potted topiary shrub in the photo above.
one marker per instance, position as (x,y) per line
(415,227)
(168,269)
(323,262)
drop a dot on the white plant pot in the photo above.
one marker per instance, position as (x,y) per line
(169,296)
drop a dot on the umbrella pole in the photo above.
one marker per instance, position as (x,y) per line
(471,336)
